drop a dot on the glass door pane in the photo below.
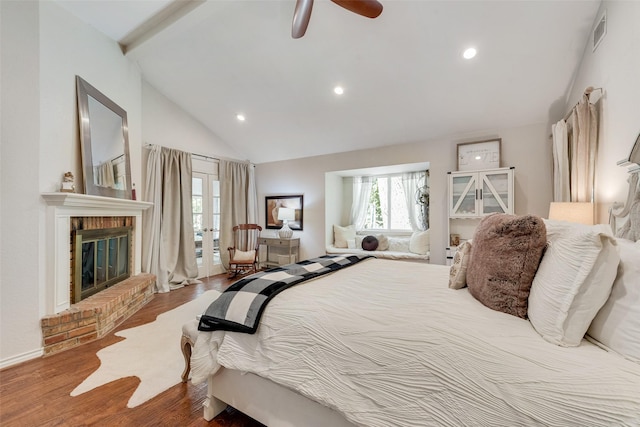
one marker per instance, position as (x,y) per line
(214,184)
(198,217)
(463,195)
(495,193)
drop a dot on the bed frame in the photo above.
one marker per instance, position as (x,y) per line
(265,401)
(262,399)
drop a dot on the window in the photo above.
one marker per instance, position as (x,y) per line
(394,202)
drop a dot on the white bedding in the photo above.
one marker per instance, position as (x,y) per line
(389,344)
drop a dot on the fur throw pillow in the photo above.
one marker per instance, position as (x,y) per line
(505,255)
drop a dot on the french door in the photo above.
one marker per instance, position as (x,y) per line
(206,223)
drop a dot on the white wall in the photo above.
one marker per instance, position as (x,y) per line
(20,228)
(165,123)
(527,148)
(615,67)
(43,49)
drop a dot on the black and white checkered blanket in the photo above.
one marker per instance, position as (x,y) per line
(240,306)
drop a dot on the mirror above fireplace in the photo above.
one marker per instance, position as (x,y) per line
(104,140)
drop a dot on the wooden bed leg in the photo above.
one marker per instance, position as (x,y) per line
(186,346)
(211,405)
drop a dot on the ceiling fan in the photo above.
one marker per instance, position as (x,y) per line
(302,13)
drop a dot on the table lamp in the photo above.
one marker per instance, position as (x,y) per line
(580,212)
(285,215)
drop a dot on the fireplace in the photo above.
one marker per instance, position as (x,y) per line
(109,232)
(101,258)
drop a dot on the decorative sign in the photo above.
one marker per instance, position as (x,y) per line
(479,155)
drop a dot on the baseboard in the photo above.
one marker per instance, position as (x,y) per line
(14,360)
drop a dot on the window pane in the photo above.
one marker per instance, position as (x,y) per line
(196,186)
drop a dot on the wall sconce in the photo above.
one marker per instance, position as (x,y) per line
(285,215)
(580,212)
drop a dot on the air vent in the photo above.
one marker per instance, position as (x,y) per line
(600,31)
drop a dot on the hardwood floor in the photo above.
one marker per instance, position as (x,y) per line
(36,393)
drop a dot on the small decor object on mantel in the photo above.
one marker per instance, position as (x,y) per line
(479,155)
(68,185)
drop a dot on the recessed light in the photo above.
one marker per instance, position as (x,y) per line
(338,90)
(469,53)
(241,117)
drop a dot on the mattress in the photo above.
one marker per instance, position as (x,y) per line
(389,344)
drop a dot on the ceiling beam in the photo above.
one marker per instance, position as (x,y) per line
(158,22)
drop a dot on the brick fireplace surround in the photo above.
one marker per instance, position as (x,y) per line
(68,325)
(96,316)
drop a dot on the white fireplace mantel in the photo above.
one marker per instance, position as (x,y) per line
(61,208)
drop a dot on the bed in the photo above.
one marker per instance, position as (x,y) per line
(382,343)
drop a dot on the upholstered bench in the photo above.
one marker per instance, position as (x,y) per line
(189,335)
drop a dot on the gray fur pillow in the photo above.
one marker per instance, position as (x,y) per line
(505,255)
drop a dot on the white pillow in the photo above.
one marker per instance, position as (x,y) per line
(351,243)
(244,256)
(383,242)
(573,280)
(458,270)
(342,234)
(617,324)
(419,243)
(399,244)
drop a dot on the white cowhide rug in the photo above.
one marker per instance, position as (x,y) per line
(150,352)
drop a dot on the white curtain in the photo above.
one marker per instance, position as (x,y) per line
(238,201)
(575,145)
(103,175)
(584,141)
(362,186)
(560,162)
(168,240)
(411,183)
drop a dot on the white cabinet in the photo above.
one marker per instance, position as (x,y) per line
(474,194)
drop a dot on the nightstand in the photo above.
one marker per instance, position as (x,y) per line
(290,247)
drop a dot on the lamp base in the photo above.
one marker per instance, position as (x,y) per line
(285,232)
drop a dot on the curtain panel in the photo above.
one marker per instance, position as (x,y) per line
(168,240)
(575,146)
(238,201)
(362,186)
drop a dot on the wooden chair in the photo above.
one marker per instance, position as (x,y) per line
(243,255)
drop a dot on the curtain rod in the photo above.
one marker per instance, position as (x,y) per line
(588,91)
(148,145)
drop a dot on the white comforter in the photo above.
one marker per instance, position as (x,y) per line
(388,344)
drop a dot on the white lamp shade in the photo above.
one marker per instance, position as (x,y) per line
(580,212)
(287,214)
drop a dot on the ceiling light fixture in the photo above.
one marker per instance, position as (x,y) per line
(338,90)
(241,117)
(469,53)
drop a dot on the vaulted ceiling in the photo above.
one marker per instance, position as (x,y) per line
(403,73)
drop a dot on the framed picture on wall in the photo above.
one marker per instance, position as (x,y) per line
(479,155)
(273,205)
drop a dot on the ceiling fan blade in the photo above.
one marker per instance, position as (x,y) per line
(368,8)
(301,17)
